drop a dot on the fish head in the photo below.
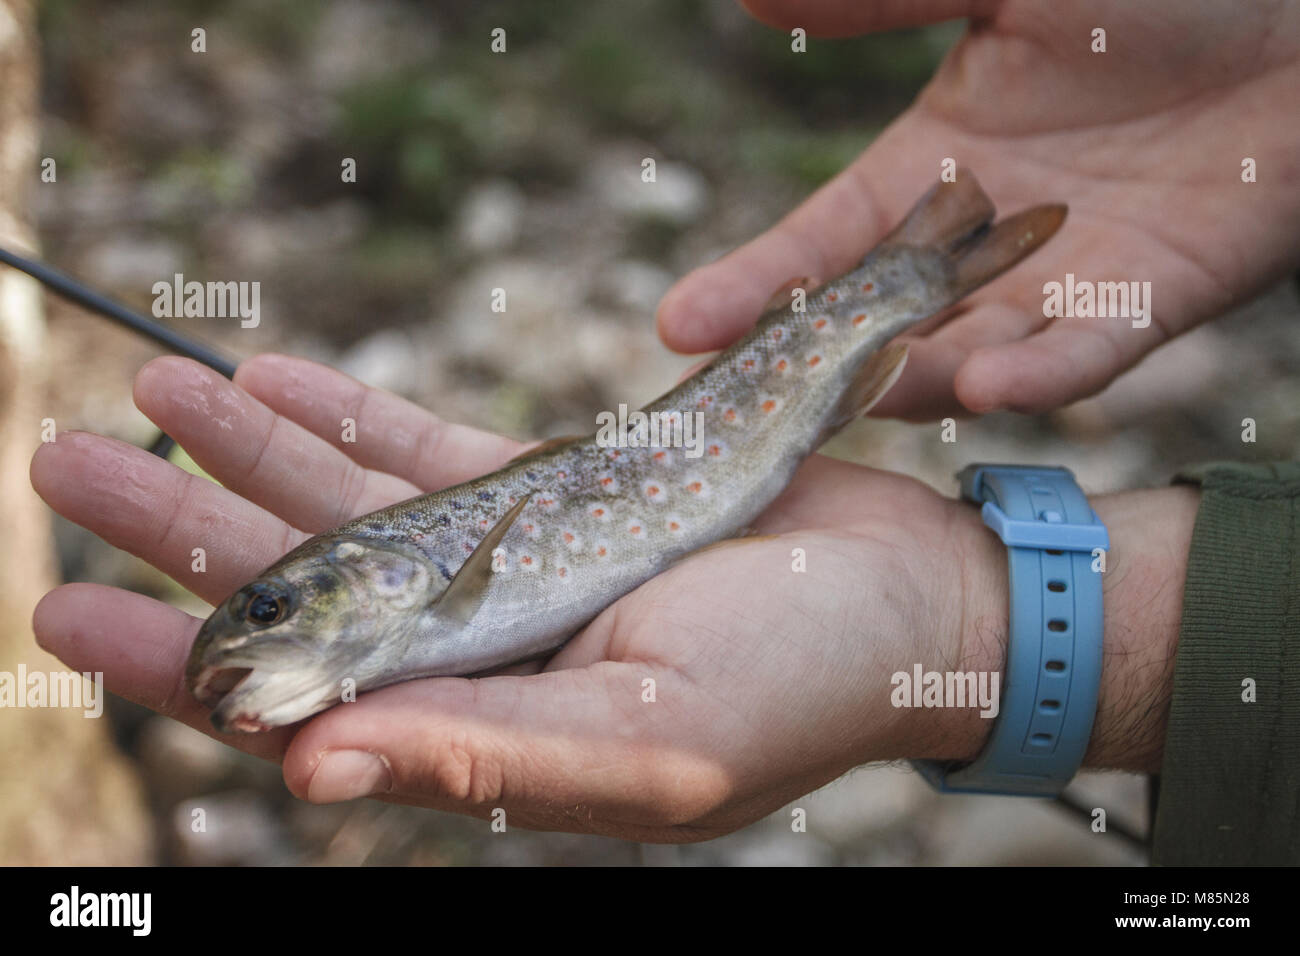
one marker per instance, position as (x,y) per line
(328,618)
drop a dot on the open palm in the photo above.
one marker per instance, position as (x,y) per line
(766,682)
(1145,142)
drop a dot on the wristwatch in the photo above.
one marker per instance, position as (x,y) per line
(1055,553)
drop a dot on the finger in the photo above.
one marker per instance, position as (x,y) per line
(140,646)
(1069,360)
(146,506)
(840,18)
(537,746)
(712,306)
(392,434)
(256,453)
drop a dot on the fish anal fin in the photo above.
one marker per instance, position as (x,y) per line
(876,377)
(464,595)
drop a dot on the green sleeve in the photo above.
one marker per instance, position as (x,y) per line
(1230,783)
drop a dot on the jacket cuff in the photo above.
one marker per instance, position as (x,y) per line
(1231,771)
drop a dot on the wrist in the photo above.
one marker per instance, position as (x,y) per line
(1150,534)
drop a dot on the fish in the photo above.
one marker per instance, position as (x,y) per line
(507,567)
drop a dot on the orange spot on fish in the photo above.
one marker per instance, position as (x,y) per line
(813,360)
(562,572)
(568,537)
(705,400)
(747,364)
(715,450)
(859,319)
(652,490)
(819,324)
(525,560)
(729,414)
(660,455)
(674,526)
(832,297)
(607,481)
(695,487)
(769,406)
(781,365)
(598,512)
(868,286)
(528,528)
(600,552)
(561,475)
(635,529)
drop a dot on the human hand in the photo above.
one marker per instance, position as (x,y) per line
(768,682)
(1145,142)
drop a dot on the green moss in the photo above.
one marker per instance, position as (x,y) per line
(399,258)
(217,174)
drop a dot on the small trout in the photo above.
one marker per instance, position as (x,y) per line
(509,566)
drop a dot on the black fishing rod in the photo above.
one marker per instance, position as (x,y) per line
(166,336)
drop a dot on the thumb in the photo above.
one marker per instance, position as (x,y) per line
(712,306)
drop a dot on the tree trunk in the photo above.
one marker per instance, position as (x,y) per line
(67,796)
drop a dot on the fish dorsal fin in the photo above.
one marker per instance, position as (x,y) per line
(465,593)
(781,298)
(545,446)
(876,377)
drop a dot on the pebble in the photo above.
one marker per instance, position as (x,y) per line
(491,216)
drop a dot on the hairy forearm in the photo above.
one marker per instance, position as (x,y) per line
(1150,534)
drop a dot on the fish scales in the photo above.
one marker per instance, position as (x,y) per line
(592,521)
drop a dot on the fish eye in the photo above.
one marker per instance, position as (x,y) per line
(264,608)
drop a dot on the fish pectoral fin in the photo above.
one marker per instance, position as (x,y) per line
(545,446)
(876,377)
(465,592)
(781,298)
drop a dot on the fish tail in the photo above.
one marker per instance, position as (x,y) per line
(956,219)
(1004,244)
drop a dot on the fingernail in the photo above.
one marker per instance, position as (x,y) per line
(347,775)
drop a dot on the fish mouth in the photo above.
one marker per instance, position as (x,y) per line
(215,687)
(249,699)
(215,682)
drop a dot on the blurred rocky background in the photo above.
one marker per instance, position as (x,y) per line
(477,170)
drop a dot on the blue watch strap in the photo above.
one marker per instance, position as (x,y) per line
(1053,671)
